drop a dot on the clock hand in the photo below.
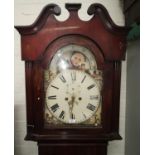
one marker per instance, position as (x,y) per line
(76,102)
(71,105)
(81,109)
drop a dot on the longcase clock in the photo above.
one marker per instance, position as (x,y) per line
(73,71)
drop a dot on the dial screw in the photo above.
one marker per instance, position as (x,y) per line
(66,98)
(80,98)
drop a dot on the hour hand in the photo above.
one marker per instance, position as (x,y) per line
(72,101)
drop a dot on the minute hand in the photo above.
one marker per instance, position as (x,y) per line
(71,104)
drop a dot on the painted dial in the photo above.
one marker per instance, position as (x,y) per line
(73,96)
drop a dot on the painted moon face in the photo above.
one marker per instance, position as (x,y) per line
(77,59)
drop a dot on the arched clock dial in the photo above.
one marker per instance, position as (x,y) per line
(73,85)
(73,96)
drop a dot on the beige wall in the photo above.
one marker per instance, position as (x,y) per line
(132,145)
(26,11)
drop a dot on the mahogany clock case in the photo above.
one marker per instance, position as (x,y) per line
(40,42)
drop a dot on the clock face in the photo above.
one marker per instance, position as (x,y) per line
(73,87)
(73,96)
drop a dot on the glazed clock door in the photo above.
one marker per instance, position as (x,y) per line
(72,86)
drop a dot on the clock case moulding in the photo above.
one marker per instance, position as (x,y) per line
(46,31)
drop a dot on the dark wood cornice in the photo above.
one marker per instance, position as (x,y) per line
(53,9)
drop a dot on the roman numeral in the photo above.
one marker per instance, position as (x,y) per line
(83,79)
(62,115)
(94,97)
(73,116)
(52,97)
(91,86)
(91,107)
(73,76)
(62,79)
(54,87)
(55,107)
